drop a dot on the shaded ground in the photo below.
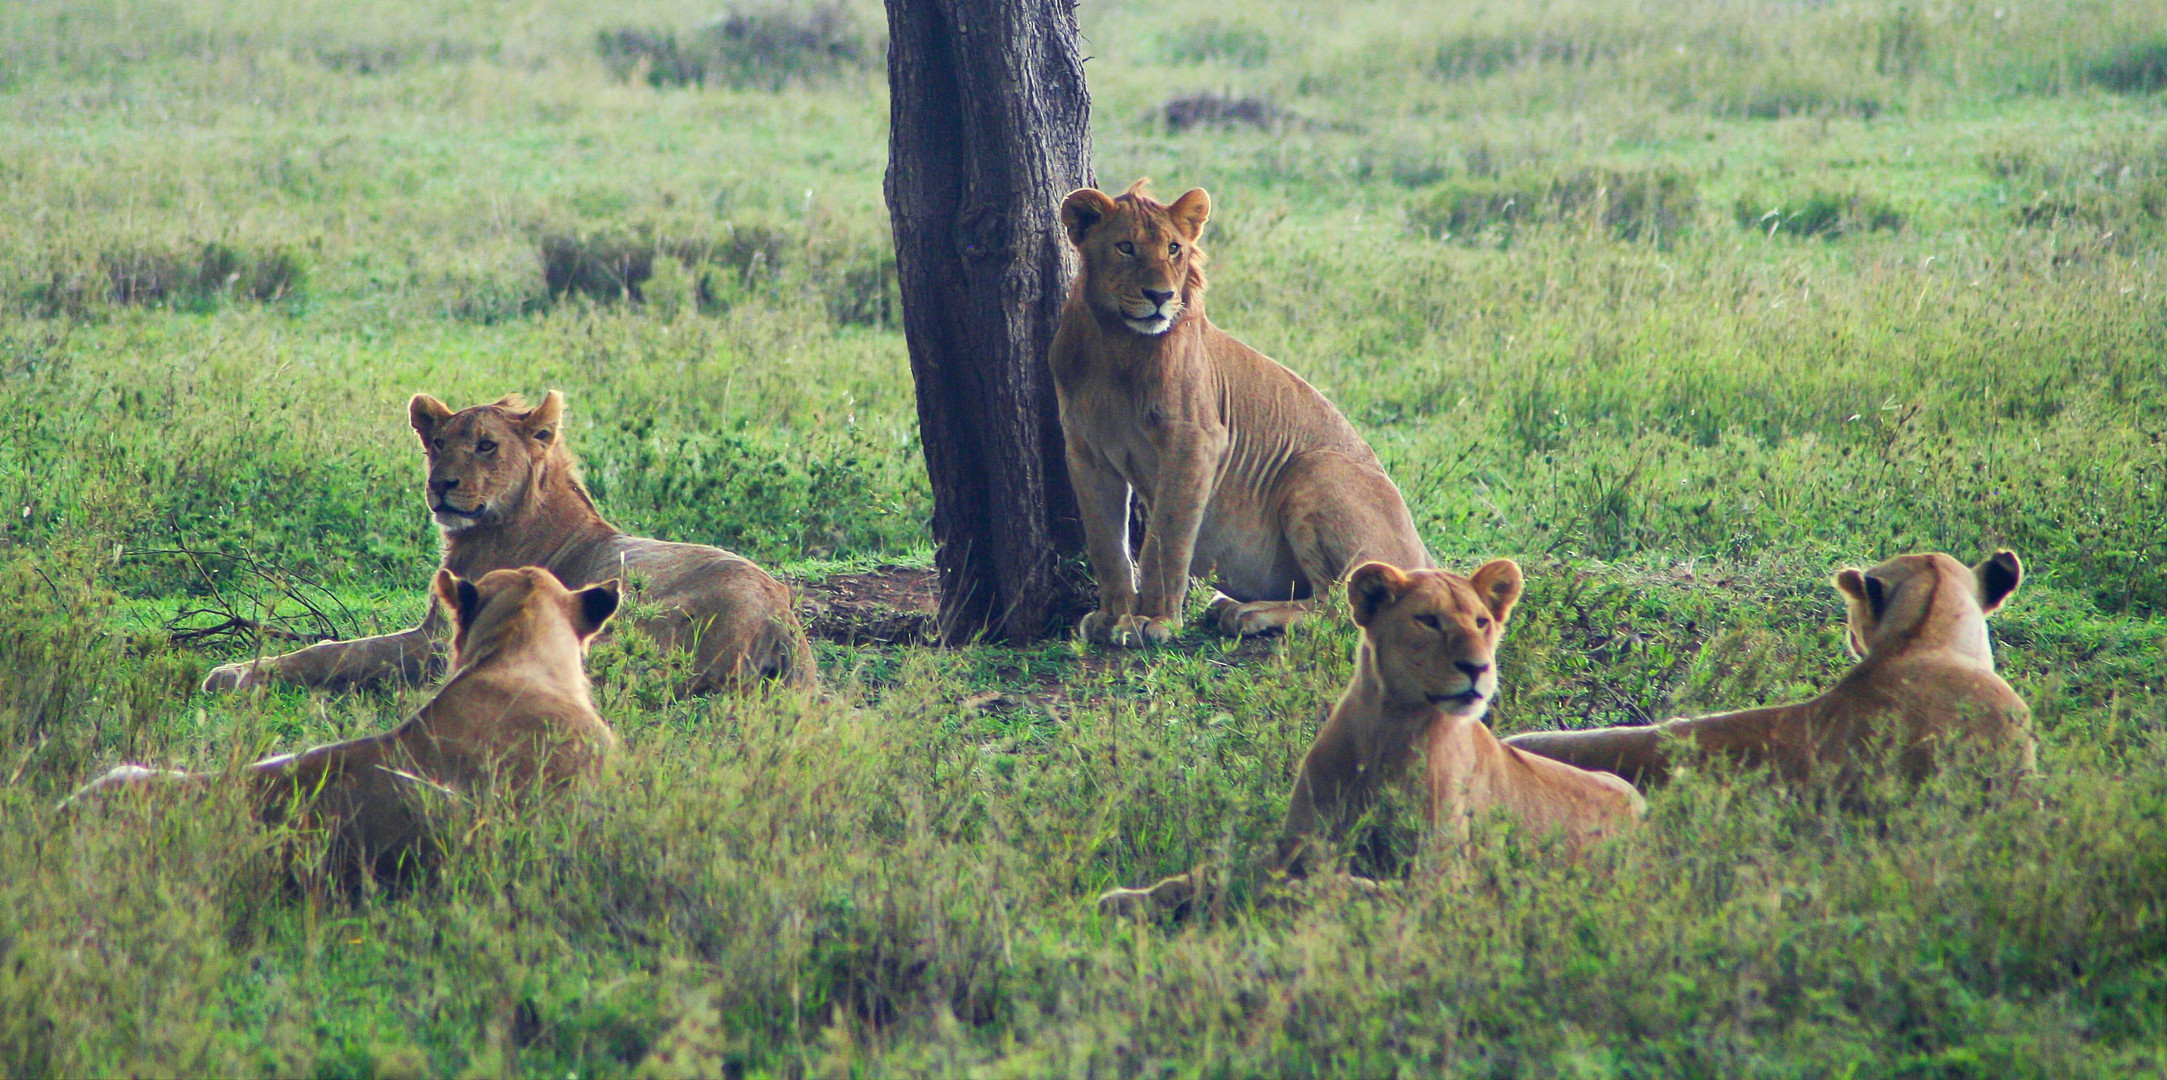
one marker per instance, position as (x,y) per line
(892,605)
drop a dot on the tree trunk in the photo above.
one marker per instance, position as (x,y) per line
(989,128)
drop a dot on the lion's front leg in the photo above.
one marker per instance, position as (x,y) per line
(1186,471)
(414,656)
(1102,497)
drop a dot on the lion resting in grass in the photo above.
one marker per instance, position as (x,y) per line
(1423,678)
(515,711)
(506,492)
(1241,467)
(1925,681)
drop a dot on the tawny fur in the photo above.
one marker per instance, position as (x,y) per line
(1424,676)
(1245,472)
(516,711)
(1925,682)
(506,492)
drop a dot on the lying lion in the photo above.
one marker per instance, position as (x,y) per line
(1423,678)
(1241,467)
(515,711)
(506,492)
(1925,680)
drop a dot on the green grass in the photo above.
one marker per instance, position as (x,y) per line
(1508,242)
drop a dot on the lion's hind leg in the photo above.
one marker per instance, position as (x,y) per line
(1257,618)
(131,776)
(1171,894)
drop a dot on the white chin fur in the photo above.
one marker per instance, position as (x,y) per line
(1155,325)
(454,522)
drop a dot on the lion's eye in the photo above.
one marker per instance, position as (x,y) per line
(485,446)
(1173,249)
(1431,622)
(1482,622)
(437,444)
(1125,248)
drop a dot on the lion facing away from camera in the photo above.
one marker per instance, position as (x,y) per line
(1244,471)
(505,492)
(1424,676)
(1925,683)
(515,713)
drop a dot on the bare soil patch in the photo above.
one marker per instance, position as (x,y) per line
(893,605)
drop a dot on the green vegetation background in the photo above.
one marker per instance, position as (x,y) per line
(1683,305)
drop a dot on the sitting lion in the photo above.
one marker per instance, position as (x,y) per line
(1241,467)
(1423,678)
(515,711)
(1925,679)
(506,492)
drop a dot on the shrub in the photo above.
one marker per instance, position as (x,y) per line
(1783,97)
(605,268)
(651,55)
(1218,111)
(184,277)
(1825,214)
(1652,204)
(770,47)
(866,292)
(2135,69)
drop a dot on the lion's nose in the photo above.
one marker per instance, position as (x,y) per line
(1474,671)
(442,486)
(1158,297)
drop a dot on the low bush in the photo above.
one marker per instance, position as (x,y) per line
(768,48)
(1826,214)
(2140,68)
(186,277)
(1208,110)
(1654,205)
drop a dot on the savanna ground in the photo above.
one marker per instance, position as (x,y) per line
(1682,305)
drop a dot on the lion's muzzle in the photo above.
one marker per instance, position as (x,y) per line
(1155,313)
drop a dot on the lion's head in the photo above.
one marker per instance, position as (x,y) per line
(1432,634)
(484,461)
(1895,601)
(1141,263)
(520,605)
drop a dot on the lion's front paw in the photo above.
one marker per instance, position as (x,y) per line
(1257,619)
(236,676)
(1135,631)
(1098,627)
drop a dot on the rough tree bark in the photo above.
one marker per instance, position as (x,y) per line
(990,127)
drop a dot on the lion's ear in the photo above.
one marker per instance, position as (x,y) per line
(1850,582)
(1084,208)
(459,596)
(592,607)
(425,413)
(1191,211)
(1997,578)
(540,422)
(1372,587)
(1858,610)
(1499,583)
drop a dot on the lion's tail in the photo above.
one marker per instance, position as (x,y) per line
(1635,753)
